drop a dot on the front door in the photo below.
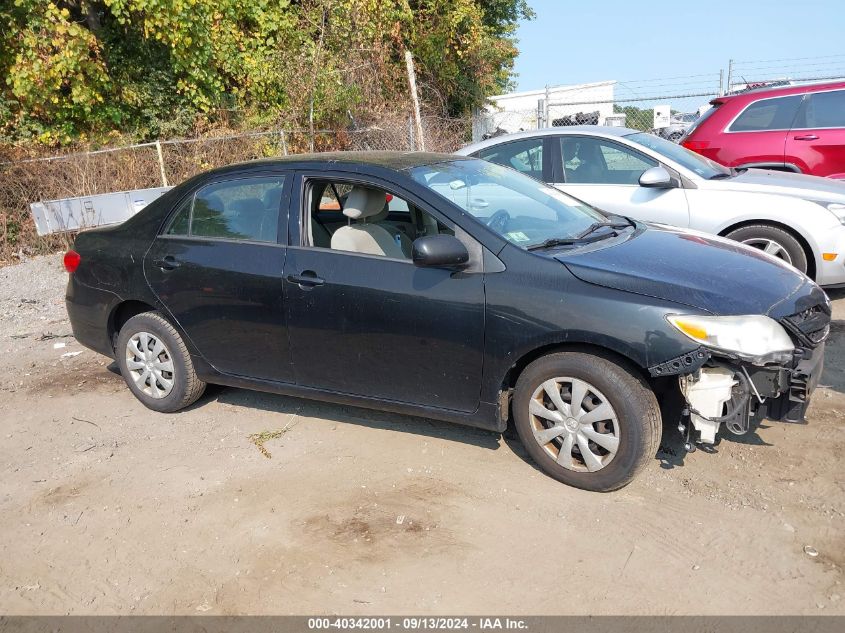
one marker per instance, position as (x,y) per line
(816,142)
(606,174)
(218,269)
(378,326)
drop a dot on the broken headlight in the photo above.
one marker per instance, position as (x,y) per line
(755,338)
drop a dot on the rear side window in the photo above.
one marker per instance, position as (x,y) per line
(242,209)
(524,156)
(181,219)
(768,114)
(822,109)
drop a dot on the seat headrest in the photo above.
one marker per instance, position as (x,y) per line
(381,216)
(363,203)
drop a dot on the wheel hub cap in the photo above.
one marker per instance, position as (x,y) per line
(575,424)
(150,365)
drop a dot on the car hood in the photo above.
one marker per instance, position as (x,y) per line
(784,183)
(691,268)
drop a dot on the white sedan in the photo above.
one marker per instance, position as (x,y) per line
(799,219)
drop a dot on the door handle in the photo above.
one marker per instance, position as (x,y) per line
(168,262)
(307,279)
(806,137)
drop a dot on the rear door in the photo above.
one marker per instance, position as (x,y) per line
(218,267)
(756,137)
(380,327)
(606,174)
(816,142)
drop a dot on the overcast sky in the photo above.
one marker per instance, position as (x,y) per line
(574,41)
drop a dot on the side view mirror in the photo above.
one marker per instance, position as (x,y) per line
(656,178)
(440,251)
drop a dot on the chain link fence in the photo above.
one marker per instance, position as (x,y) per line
(662,106)
(169,162)
(747,75)
(666,107)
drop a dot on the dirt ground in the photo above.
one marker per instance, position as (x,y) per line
(109,508)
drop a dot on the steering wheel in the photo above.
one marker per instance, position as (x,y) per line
(499,221)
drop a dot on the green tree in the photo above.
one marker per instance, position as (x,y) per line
(86,68)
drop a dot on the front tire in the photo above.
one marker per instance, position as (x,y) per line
(773,240)
(156,365)
(586,420)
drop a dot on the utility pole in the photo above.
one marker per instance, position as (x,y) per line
(730,76)
(161,164)
(412,83)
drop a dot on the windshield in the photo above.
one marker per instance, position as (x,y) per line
(520,209)
(696,163)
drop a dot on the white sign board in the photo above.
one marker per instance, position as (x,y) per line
(662,114)
(74,214)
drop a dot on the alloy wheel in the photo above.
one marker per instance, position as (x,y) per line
(150,364)
(574,423)
(770,246)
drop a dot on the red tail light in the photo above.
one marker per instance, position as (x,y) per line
(72,259)
(695,145)
(388,197)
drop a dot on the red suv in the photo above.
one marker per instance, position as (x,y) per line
(791,128)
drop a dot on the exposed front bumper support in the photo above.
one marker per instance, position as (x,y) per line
(740,395)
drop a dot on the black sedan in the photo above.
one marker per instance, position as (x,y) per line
(451,288)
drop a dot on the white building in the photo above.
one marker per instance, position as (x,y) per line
(526,110)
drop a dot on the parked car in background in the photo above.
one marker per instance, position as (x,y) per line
(790,128)
(287,276)
(799,219)
(678,125)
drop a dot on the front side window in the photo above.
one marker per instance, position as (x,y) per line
(242,209)
(520,209)
(823,110)
(597,161)
(525,156)
(364,219)
(767,114)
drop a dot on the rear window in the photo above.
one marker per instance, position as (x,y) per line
(701,119)
(768,114)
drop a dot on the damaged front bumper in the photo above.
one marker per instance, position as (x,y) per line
(740,395)
(787,391)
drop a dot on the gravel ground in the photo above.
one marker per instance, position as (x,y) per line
(109,508)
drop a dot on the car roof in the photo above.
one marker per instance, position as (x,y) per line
(596,130)
(777,91)
(389,160)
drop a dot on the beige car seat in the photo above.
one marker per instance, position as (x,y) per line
(380,219)
(363,236)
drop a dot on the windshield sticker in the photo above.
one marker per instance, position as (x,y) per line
(517,236)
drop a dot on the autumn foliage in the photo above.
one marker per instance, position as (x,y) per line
(89,69)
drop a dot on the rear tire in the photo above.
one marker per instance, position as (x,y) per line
(156,365)
(617,419)
(775,241)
